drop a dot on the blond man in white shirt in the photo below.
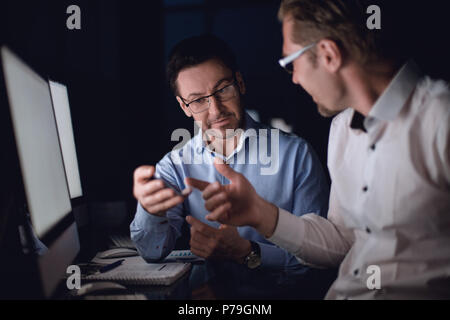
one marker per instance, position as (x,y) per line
(388,223)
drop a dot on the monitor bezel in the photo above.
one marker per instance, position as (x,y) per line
(57,237)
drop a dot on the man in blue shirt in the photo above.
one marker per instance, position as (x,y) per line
(283,168)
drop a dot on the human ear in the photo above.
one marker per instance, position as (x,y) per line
(330,55)
(185,109)
(240,82)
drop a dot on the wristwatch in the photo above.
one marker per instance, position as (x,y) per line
(253,259)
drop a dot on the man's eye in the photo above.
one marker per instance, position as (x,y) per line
(289,66)
(223,90)
(200,101)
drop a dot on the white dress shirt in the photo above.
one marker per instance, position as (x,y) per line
(389,211)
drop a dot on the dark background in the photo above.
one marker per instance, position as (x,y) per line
(123,113)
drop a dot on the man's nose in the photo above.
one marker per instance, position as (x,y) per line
(294,78)
(215,106)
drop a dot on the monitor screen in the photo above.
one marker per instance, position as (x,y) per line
(64,124)
(42,169)
(37,143)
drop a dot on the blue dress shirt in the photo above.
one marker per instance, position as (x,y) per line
(298,186)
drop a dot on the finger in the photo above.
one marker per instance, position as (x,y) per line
(229,231)
(166,205)
(186,192)
(203,244)
(152,187)
(225,170)
(208,252)
(201,227)
(215,201)
(226,227)
(191,220)
(159,196)
(200,242)
(198,184)
(211,190)
(199,251)
(201,239)
(220,214)
(143,174)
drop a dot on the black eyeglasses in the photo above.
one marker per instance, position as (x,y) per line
(203,103)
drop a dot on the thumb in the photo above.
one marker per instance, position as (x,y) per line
(226,226)
(198,184)
(229,230)
(144,173)
(225,170)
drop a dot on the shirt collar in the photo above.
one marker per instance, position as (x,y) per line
(392,100)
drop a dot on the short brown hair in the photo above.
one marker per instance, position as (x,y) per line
(344,22)
(196,50)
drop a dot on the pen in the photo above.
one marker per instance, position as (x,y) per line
(111,266)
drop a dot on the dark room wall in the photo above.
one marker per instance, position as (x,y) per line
(123,113)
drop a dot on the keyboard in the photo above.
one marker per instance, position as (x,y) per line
(184,256)
(122,241)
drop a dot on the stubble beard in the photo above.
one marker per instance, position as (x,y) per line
(325,112)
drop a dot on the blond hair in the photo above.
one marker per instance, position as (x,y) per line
(342,21)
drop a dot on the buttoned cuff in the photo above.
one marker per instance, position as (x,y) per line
(289,234)
(144,220)
(288,231)
(271,255)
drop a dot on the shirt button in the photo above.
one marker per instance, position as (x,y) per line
(355,272)
(368,230)
(366,188)
(373,147)
(199,150)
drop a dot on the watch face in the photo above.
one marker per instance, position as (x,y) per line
(253,260)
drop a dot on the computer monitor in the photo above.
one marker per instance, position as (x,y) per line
(41,171)
(63,117)
(61,107)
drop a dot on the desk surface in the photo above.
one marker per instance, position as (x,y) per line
(213,280)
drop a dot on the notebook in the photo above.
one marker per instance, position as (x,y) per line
(136,271)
